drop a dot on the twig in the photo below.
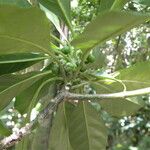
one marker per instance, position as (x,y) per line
(15,137)
(92,97)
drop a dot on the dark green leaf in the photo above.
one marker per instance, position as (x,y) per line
(12,85)
(24,99)
(59,138)
(3,130)
(17,61)
(54,19)
(104,28)
(21,30)
(18,3)
(60,8)
(86,129)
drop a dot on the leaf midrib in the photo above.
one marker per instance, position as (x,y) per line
(23,60)
(25,41)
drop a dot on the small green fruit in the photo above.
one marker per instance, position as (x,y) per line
(83,69)
(90,59)
(71,66)
(66,50)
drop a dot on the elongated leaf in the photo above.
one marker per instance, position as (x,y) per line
(17,61)
(21,30)
(104,28)
(12,85)
(59,137)
(86,129)
(54,19)
(18,3)
(24,99)
(60,8)
(3,130)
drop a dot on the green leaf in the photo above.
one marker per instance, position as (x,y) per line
(31,95)
(24,99)
(18,3)
(104,28)
(119,4)
(4,130)
(59,137)
(10,63)
(12,85)
(54,19)
(21,30)
(105,5)
(86,129)
(122,107)
(60,8)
